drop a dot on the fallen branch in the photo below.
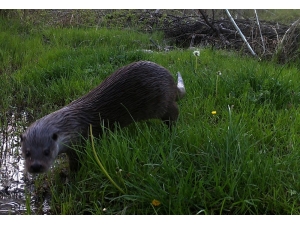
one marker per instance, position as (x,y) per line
(240,33)
(288,43)
(292,28)
(262,39)
(207,22)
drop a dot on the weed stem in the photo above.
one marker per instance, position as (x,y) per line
(100,164)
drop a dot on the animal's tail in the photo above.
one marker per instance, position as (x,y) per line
(180,87)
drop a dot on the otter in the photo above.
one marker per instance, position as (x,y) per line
(139,91)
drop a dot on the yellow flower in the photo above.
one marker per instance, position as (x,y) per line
(155,202)
(214,112)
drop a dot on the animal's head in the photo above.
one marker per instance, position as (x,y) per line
(39,148)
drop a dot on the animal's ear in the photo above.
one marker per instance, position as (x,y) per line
(54,136)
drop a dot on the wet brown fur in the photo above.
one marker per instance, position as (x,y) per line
(139,91)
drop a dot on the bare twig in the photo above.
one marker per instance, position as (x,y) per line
(285,44)
(292,28)
(277,36)
(153,42)
(262,39)
(207,22)
(192,41)
(240,33)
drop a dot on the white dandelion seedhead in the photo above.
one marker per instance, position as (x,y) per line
(196,53)
(219,73)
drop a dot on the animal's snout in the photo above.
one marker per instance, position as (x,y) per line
(36,168)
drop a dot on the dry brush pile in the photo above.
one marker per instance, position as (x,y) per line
(267,39)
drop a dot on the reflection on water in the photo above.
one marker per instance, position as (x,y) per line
(13,180)
(12,186)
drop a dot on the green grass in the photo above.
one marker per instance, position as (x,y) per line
(285,16)
(70,62)
(243,160)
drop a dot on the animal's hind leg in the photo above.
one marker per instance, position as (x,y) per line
(171,115)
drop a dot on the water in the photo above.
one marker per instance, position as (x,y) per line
(14,181)
(12,186)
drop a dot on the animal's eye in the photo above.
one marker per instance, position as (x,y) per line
(46,152)
(27,153)
(54,136)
